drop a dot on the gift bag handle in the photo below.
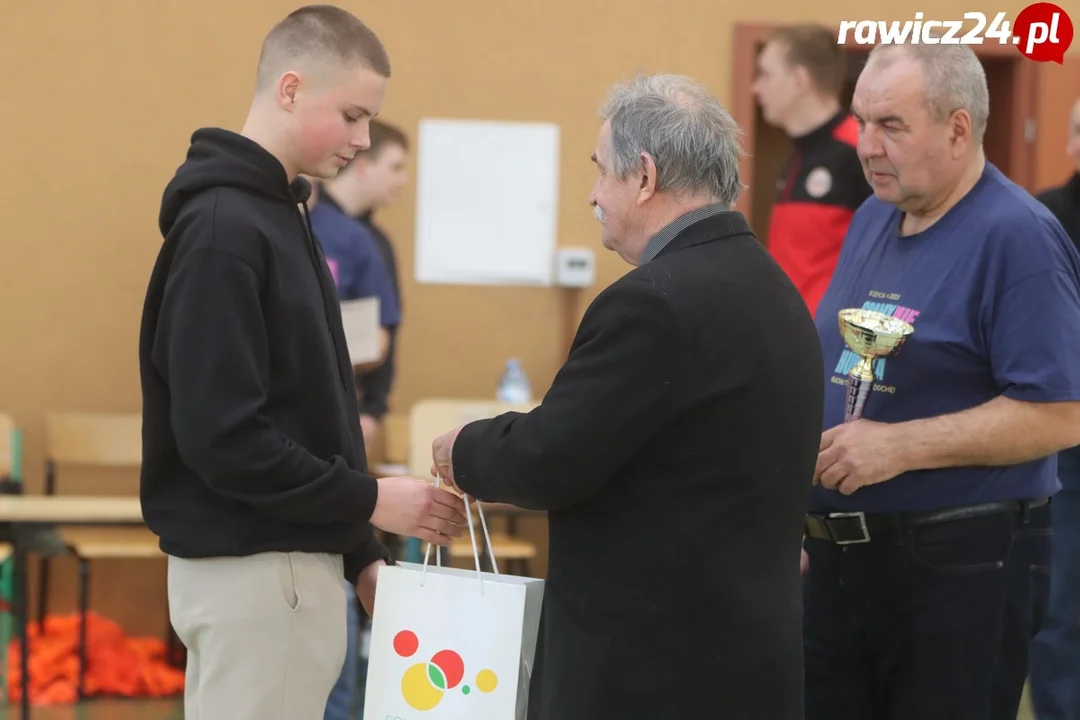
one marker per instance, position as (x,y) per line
(472,537)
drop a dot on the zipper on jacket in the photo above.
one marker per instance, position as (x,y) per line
(796,165)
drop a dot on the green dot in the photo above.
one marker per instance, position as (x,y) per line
(436,676)
(465,689)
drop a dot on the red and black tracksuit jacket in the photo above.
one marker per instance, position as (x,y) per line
(821,188)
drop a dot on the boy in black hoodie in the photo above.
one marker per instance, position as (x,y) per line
(254,473)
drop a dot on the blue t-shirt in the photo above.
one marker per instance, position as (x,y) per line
(354,260)
(993,292)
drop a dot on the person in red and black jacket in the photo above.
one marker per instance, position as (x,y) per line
(800,77)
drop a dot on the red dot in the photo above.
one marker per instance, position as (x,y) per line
(1043,32)
(452,666)
(406,643)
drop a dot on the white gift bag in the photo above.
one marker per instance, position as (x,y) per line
(449,644)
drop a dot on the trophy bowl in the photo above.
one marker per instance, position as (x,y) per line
(870,335)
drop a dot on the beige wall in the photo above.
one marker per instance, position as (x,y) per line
(100,99)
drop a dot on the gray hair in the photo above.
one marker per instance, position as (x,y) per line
(693,140)
(953,78)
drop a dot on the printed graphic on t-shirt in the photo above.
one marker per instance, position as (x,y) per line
(334,271)
(881,302)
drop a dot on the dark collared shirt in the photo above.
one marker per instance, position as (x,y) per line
(660,240)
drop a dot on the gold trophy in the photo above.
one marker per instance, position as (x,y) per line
(870,335)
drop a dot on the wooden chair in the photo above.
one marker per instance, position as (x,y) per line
(395,455)
(10,463)
(93,440)
(396,434)
(514,554)
(430,418)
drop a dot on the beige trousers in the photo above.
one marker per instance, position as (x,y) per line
(265,634)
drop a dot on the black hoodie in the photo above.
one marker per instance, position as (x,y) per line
(251,430)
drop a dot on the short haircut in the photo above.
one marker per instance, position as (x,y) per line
(693,140)
(814,47)
(324,34)
(953,79)
(383,135)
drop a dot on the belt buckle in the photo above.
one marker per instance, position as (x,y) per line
(862,527)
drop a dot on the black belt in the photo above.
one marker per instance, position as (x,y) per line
(849,528)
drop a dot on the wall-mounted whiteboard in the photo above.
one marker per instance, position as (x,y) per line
(487,202)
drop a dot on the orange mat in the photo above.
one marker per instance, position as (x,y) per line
(116,664)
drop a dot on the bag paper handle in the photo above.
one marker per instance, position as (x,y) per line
(472,537)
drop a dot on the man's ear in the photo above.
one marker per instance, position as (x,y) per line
(961,132)
(648,184)
(287,89)
(802,77)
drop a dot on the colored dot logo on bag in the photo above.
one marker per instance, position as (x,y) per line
(424,684)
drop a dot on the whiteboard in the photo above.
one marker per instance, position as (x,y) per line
(487,202)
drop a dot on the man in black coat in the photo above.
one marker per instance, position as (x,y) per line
(675,449)
(1064,200)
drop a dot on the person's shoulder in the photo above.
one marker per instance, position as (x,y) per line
(1019,228)
(225,220)
(639,293)
(362,233)
(1056,199)
(332,221)
(1004,206)
(871,215)
(1055,193)
(846,132)
(841,158)
(641,280)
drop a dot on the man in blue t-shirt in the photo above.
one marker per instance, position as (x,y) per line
(915,505)
(354,259)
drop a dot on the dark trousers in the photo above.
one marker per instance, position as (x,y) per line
(911,624)
(1055,653)
(1025,610)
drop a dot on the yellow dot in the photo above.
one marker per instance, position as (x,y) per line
(486,681)
(418,690)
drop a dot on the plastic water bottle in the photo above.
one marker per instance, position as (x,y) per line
(514,386)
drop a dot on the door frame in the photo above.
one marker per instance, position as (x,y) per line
(750,36)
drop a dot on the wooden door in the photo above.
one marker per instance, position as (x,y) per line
(1058,89)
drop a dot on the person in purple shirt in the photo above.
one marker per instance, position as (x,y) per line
(915,507)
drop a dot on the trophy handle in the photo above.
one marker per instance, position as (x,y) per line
(859,384)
